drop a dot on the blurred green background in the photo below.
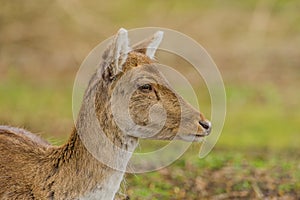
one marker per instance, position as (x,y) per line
(255,44)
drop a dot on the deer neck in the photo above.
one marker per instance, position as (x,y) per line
(91,178)
(97,151)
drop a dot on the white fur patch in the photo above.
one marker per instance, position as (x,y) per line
(107,190)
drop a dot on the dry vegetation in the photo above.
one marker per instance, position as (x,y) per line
(224,174)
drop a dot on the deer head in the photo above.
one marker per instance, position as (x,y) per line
(134,100)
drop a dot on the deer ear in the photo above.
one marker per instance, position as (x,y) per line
(116,54)
(149,45)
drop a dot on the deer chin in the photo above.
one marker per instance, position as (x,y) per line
(191,137)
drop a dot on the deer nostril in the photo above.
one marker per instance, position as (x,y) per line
(204,124)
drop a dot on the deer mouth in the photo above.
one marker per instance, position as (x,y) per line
(192,137)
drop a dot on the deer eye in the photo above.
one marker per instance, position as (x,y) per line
(146,88)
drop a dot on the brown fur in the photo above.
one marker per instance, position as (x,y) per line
(31,170)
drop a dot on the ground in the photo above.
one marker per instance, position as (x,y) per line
(223,174)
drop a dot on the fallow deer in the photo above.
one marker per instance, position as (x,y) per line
(31,168)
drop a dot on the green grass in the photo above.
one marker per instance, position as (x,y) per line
(42,107)
(260,116)
(241,174)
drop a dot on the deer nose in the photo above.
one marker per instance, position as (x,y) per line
(205,124)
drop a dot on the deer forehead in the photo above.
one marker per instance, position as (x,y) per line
(136,59)
(145,74)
